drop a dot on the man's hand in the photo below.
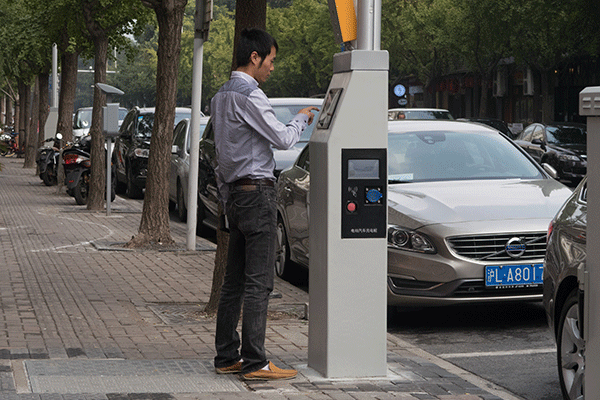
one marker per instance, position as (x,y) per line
(308,111)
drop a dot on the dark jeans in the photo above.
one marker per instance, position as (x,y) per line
(248,280)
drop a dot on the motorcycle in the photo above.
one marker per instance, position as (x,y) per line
(47,160)
(9,141)
(77,165)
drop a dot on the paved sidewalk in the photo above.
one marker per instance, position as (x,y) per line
(82,318)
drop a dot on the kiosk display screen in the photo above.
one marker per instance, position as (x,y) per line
(363,169)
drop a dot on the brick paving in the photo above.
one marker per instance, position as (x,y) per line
(83,318)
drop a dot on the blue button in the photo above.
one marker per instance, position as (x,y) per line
(374,195)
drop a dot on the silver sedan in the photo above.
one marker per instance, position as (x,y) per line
(468,212)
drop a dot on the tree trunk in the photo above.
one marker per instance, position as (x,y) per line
(220,267)
(43,109)
(248,14)
(66,99)
(96,195)
(24,115)
(483,99)
(154,225)
(9,111)
(547,96)
(32,134)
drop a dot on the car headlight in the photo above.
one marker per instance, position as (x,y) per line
(568,157)
(142,153)
(406,239)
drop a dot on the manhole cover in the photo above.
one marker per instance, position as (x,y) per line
(127,376)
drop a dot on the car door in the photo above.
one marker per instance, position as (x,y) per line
(297,206)
(207,181)
(178,158)
(120,149)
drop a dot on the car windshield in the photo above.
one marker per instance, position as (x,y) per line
(83,119)
(447,155)
(286,113)
(146,121)
(566,135)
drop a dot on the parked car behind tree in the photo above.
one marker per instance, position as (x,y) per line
(180,166)
(132,148)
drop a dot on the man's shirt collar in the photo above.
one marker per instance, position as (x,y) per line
(244,76)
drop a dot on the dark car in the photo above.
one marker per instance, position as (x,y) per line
(561,145)
(495,123)
(132,148)
(285,109)
(180,166)
(468,212)
(565,255)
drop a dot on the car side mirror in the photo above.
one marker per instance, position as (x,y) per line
(550,170)
(539,142)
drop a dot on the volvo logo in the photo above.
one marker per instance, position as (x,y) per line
(515,247)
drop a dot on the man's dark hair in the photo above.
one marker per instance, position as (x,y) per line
(254,39)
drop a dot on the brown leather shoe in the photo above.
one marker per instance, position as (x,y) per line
(271,374)
(232,369)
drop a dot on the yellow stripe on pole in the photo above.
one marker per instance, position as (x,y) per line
(347,19)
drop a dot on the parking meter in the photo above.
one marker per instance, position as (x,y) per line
(348,221)
(110,129)
(589,106)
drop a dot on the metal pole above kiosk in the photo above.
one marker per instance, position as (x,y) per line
(589,105)
(348,198)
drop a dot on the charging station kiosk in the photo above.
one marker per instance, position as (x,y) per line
(589,105)
(348,215)
(110,129)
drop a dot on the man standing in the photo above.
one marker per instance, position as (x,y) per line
(246,129)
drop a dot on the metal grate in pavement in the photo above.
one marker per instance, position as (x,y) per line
(127,376)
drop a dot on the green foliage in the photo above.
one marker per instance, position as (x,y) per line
(306,48)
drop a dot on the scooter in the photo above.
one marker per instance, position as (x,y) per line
(47,160)
(77,165)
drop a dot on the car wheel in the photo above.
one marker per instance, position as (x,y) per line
(571,349)
(282,252)
(133,191)
(181,208)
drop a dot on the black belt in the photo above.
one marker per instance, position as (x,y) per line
(254,182)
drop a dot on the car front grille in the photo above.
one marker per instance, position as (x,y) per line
(494,247)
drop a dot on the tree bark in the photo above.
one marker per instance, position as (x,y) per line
(43,109)
(24,115)
(98,158)
(154,225)
(66,99)
(32,131)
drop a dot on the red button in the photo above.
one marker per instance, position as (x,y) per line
(351,206)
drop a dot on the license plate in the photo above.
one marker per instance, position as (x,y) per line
(514,275)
